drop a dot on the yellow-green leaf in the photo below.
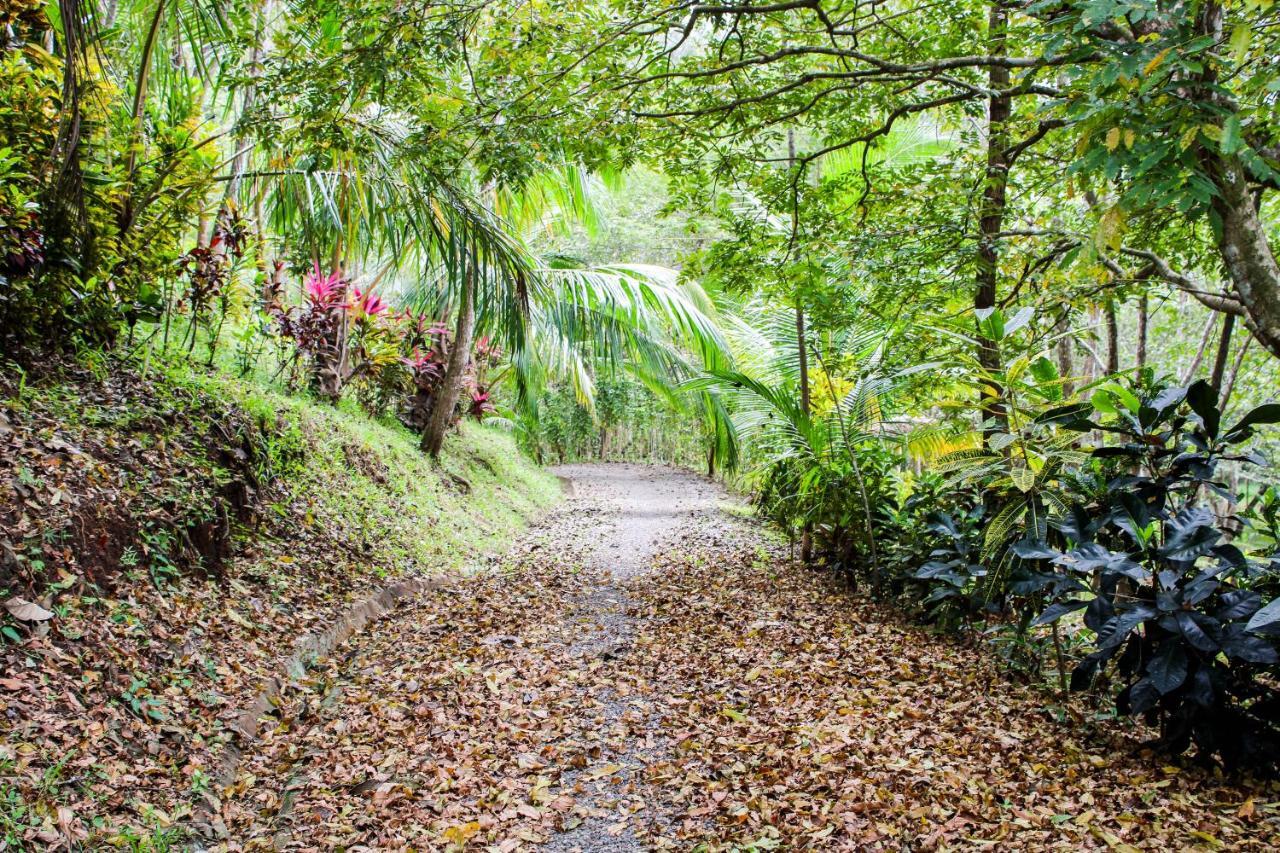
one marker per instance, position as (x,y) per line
(1156,61)
(1241,38)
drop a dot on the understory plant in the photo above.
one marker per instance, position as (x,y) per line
(347,337)
(1184,619)
(210,273)
(1097,532)
(1137,549)
(430,343)
(340,332)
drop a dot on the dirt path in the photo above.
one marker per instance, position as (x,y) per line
(645,672)
(645,508)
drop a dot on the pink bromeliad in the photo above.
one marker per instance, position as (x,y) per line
(325,291)
(368,304)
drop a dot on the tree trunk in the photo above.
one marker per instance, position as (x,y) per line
(1242,238)
(802,347)
(1224,352)
(991,219)
(257,56)
(802,352)
(806,536)
(1235,372)
(1204,345)
(1066,353)
(456,370)
(1144,319)
(1246,252)
(1113,337)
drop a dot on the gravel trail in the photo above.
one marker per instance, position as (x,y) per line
(646,507)
(507,692)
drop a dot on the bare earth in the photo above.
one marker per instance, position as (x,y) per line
(643,671)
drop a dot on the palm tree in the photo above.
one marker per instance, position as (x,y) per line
(563,318)
(808,456)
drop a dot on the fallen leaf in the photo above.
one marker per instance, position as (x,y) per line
(27,611)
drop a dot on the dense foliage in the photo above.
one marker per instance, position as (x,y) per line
(1113,516)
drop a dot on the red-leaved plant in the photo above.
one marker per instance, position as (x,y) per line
(339,331)
(208,269)
(346,335)
(431,342)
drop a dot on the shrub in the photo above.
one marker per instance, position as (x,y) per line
(1176,608)
(339,332)
(1170,584)
(209,270)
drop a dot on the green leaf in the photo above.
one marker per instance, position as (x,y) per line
(1268,414)
(1104,401)
(1203,400)
(1018,320)
(990,323)
(1126,397)
(1266,620)
(1241,38)
(1056,611)
(1232,140)
(1168,670)
(1001,440)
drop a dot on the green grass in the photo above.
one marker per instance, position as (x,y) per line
(369,477)
(370,473)
(363,480)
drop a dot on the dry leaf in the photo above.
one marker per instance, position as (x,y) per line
(27,611)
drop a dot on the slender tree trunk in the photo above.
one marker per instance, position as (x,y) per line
(1066,353)
(806,536)
(991,219)
(64,210)
(1235,373)
(802,349)
(257,56)
(107,12)
(1200,351)
(1093,365)
(1113,337)
(455,371)
(802,352)
(1143,320)
(1224,352)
